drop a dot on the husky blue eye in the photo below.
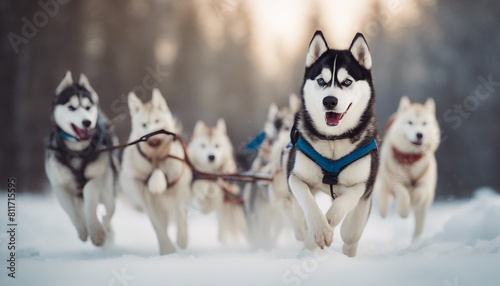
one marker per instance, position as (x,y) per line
(347,82)
(321,82)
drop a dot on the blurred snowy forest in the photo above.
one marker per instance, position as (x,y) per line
(232,58)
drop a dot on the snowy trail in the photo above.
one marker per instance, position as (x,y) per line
(460,246)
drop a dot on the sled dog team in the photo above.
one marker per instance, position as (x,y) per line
(326,141)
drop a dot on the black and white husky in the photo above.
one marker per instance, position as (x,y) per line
(334,144)
(81,177)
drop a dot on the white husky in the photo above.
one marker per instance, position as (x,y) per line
(153,181)
(408,169)
(210,150)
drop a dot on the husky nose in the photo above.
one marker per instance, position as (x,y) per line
(330,102)
(211,158)
(419,136)
(86,123)
(154,142)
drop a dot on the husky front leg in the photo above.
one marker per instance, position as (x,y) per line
(91,194)
(420,214)
(344,203)
(318,227)
(353,226)
(384,196)
(108,199)
(154,207)
(73,206)
(182,215)
(402,200)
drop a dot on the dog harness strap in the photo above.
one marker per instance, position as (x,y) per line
(256,142)
(66,135)
(332,168)
(142,153)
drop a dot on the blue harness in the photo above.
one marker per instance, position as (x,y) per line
(67,136)
(332,168)
(256,142)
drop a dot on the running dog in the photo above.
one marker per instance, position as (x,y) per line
(333,144)
(80,175)
(151,177)
(210,151)
(408,170)
(264,213)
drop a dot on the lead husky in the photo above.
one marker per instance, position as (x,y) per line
(210,150)
(81,177)
(153,181)
(334,144)
(408,169)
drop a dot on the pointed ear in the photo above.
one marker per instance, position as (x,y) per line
(66,82)
(294,103)
(84,81)
(430,104)
(316,48)
(159,101)
(273,110)
(359,49)
(199,127)
(134,103)
(221,125)
(404,103)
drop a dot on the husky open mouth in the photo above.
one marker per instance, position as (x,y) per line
(333,118)
(418,142)
(81,134)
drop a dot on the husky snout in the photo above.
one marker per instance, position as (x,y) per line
(330,102)
(154,142)
(86,123)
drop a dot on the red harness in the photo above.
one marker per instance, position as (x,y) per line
(406,158)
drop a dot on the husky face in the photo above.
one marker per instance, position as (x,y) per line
(337,85)
(210,148)
(150,117)
(416,127)
(75,107)
(281,120)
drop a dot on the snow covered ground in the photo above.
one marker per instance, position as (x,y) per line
(460,246)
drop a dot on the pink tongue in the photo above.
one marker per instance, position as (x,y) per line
(333,118)
(82,133)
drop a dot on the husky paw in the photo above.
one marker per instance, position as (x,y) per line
(82,234)
(157,183)
(182,242)
(98,236)
(321,233)
(167,249)
(350,249)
